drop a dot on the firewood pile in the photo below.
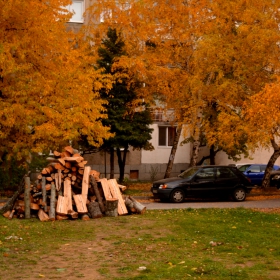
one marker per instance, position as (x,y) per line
(68,189)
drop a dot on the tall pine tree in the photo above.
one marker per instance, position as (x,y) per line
(128,117)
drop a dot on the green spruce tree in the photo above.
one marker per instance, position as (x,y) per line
(129,124)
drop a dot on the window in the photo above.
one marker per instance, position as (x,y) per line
(166,135)
(77,8)
(206,173)
(225,173)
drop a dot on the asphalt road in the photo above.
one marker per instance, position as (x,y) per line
(270,203)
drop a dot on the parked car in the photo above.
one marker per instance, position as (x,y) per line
(207,180)
(255,172)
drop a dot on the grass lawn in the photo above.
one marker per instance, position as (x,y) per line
(169,244)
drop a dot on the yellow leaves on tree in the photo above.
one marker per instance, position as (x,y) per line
(48,87)
(203,57)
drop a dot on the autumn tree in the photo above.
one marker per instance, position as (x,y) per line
(49,92)
(263,116)
(128,116)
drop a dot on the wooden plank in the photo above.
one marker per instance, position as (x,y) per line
(85,183)
(68,195)
(74,159)
(105,188)
(61,206)
(80,204)
(122,210)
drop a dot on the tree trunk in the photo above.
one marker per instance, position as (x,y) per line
(212,155)
(112,163)
(173,152)
(97,193)
(112,207)
(195,151)
(94,210)
(269,167)
(121,161)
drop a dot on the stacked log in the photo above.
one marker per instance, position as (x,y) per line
(68,189)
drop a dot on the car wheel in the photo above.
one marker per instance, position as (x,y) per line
(177,196)
(239,194)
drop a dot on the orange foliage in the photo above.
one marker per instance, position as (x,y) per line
(204,58)
(48,87)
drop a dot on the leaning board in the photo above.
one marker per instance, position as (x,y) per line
(116,193)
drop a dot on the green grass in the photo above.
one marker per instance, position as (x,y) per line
(170,244)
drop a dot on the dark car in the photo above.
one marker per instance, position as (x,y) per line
(198,181)
(255,172)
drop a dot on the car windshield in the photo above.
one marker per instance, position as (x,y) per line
(242,168)
(188,173)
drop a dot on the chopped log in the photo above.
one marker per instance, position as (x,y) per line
(43,217)
(73,214)
(49,169)
(95,174)
(34,206)
(69,149)
(74,159)
(85,183)
(44,171)
(68,164)
(7,214)
(130,206)
(80,204)
(140,208)
(61,217)
(52,203)
(61,161)
(48,187)
(97,193)
(85,217)
(59,166)
(77,154)
(56,154)
(27,198)
(11,214)
(66,170)
(111,206)
(61,206)
(49,179)
(81,171)
(39,177)
(82,164)
(122,188)
(65,154)
(18,193)
(74,168)
(94,210)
